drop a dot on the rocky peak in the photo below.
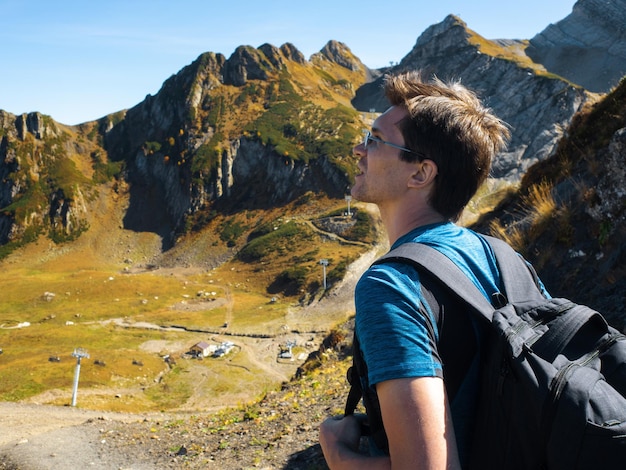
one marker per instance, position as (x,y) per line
(273,54)
(588,47)
(36,124)
(338,53)
(536,105)
(279,56)
(32,122)
(246,63)
(292,53)
(439,38)
(28,123)
(212,62)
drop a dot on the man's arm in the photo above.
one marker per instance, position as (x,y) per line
(418,424)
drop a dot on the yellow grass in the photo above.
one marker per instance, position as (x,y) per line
(538,206)
(100,300)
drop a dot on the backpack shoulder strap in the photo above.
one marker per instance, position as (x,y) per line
(353,376)
(519,280)
(444,270)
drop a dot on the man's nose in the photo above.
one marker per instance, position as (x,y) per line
(359,149)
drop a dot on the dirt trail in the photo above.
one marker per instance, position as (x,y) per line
(22,421)
(46,437)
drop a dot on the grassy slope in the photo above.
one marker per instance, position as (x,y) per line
(102,277)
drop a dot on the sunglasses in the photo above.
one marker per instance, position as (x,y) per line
(369,138)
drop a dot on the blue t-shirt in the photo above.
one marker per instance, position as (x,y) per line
(393,334)
(395,338)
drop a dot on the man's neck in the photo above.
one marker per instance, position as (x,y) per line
(400,223)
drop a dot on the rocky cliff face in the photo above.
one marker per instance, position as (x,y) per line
(537,106)
(588,47)
(338,53)
(589,265)
(186,147)
(26,149)
(251,163)
(8,188)
(579,249)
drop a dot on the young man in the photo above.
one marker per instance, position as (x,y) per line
(423,160)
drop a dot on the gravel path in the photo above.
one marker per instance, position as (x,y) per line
(58,437)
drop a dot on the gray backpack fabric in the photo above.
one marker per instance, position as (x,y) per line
(553,373)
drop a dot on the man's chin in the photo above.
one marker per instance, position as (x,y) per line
(358,195)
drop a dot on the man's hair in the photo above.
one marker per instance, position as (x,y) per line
(447,124)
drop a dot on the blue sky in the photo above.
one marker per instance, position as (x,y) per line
(80,60)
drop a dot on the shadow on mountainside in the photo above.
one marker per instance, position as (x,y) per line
(146,213)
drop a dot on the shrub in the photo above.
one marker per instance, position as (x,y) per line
(230,231)
(152,147)
(363,230)
(339,271)
(290,281)
(264,245)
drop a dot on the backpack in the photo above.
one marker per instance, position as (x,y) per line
(552,391)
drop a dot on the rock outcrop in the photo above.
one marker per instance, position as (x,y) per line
(292,53)
(608,205)
(340,54)
(35,124)
(248,63)
(34,192)
(588,47)
(577,245)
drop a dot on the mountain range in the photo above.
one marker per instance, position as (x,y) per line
(205,211)
(266,126)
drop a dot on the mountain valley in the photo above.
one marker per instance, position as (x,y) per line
(215,211)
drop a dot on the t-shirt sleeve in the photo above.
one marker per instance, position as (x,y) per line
(397,338)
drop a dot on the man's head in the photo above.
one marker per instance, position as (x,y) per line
(446,123)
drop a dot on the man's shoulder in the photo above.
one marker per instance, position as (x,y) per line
(457,243)
(469,250)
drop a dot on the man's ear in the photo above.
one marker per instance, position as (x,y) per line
(424,174)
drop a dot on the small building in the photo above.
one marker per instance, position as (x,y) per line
(223,349)
(202,349)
